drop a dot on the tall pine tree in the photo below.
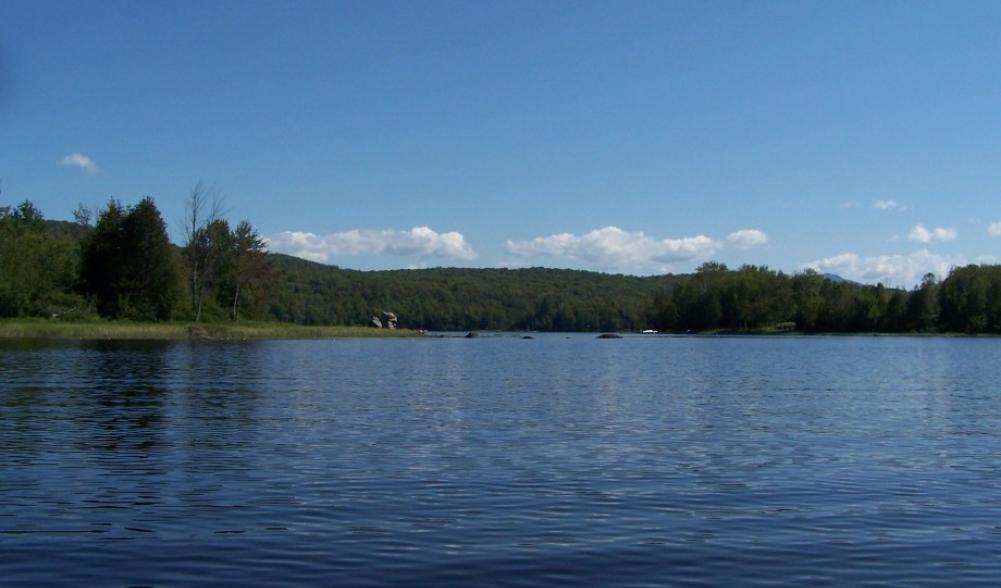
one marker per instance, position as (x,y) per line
(129,264)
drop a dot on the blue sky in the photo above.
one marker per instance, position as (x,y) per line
(862,138)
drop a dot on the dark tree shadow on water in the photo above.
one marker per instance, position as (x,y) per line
(122,395)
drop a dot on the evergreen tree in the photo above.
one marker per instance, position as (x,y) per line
(152,280)
(103,256)
(129,265)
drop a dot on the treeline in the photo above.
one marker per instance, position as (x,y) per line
(123,266)
(39,266)
(757,298)
(464,299)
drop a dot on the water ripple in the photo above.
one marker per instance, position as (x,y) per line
(567,461)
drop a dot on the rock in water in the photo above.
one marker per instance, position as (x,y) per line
(609,336)
(472,335)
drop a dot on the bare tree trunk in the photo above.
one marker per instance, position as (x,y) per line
(195,250)
(236,304)
(195,204)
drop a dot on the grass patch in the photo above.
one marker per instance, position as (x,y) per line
(100,329)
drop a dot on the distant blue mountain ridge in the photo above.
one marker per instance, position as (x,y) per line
(837,278)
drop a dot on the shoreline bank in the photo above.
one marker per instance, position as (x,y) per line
(179,331)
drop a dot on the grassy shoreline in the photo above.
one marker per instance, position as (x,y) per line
(54,329)
(180,331)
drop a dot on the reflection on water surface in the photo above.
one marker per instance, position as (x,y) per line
(650,460)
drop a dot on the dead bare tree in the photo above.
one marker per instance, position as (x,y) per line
(82,215)
(203,207)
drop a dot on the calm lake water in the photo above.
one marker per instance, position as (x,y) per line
(499,461)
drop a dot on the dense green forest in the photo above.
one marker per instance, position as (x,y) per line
(123,266)
(757,298)
(119,263)
(462,299)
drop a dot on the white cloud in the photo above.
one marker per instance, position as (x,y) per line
(851,204)
(922,235)
(747,238)
(419,241)
(994,230)
(887,205)
(897,270)
(81,161)
(612,248)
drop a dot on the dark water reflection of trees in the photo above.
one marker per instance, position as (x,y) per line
(135,416)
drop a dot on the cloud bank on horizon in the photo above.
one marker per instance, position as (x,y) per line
(614,249)
(891,270)
(606,249)
(418,241)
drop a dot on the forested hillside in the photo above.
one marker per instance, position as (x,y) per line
(459,299)
(123,266)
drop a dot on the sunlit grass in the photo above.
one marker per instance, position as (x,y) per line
(99,329)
